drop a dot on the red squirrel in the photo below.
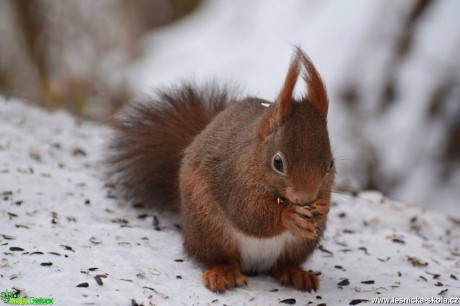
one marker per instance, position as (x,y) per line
(252,179)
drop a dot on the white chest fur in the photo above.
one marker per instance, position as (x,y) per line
(258,254)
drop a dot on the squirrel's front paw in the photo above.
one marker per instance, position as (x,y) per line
(222,277)
(319,210)
(301,279)
(299,221)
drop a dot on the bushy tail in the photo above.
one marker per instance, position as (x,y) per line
(150,137)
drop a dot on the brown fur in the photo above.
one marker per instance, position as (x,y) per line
(146,150)
(317,94)
(226,179)
(283,105)
(302,280)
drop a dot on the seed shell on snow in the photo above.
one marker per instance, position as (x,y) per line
(358,301)
(322,249)
(443,292)
(7,237)
(98,280)
(290,301)
(67,248)
(4,262)
(16,249)
(95,240)
(417,262)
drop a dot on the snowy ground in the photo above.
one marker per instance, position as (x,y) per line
(64,236)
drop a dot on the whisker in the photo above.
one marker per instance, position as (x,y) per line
(348,208)
(348,193)
(345,159)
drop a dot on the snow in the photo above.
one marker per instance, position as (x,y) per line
(55,207)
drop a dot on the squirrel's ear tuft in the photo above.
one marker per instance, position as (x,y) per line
(282,107)
(316,91)
(285,99)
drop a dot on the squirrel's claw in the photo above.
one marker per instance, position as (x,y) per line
(319,211)
(301,279)
(220,278)
(298,220)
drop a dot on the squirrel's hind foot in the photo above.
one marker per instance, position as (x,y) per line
(301,279)
(223,277)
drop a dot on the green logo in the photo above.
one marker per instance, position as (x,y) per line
(14,298)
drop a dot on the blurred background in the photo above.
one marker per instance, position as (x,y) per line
(392,69)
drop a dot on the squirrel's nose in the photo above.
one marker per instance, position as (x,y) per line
(302,198)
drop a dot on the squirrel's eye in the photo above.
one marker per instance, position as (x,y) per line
(331,165)
(278,163)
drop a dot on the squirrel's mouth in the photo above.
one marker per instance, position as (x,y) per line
(279,197)
(281,200)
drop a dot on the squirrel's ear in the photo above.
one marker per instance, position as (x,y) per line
(282,107)
(316,92)
(285,99)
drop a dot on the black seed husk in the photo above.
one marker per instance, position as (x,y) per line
(138,205)
(98,280)
(134,303)
(358,301)
(288,301)
(150,288)
(322,249)
(67,248)
(344,282)
(442,292)
(16,249)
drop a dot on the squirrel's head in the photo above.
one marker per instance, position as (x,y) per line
(298,163)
